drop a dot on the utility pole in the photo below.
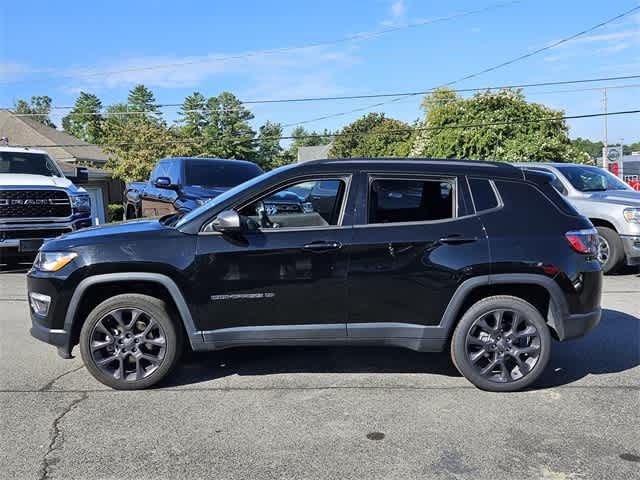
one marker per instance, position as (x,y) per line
(605,148)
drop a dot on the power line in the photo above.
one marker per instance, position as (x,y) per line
(336,135)
(348,38)
(358,97)
(481,72)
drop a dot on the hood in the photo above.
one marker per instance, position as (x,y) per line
(628,198)
(27,180)
(101,234)
(198,192)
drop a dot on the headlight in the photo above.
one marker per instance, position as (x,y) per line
(53,261)
(81,203)
(632,215)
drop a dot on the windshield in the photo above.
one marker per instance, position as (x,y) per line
(28,163)
(207,173)
(178,220)
(591,179)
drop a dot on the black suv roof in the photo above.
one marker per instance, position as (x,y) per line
(451,166)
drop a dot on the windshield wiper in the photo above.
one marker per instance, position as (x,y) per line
(594,189)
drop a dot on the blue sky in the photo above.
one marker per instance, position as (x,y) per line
(47,48)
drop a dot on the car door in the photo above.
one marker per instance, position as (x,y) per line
(283,280)
(413,245)
(157,202)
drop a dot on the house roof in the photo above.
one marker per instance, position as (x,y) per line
(26,131)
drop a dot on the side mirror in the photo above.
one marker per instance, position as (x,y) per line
(81,176)
(164,182)
(227,222)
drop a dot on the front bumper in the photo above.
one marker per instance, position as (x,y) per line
(631,245)
(52,336)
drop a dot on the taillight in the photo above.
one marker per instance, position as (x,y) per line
(583,241)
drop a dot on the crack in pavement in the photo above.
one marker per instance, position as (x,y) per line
(57,438)
(48,385)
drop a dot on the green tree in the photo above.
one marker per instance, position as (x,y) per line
(84,120)
(632,147)
(136,146)
(141,99)
(303,138)
(373,135)
(593,149)
(227,132)
(270,153)
(39,109)
(519,135)
(136,142)
(193,115)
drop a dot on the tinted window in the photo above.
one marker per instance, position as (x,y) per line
(226,174)
(291,207)
(484,197)
(27,163)
(410,200)
(591,179)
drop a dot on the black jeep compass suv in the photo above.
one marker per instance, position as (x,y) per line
(483,258)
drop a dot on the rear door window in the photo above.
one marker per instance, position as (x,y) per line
(411,200)
(484,195)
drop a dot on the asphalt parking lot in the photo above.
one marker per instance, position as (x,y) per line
(324,412)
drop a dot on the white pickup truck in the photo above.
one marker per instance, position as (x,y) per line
(37,202)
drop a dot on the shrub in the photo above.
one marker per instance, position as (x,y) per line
(115,212)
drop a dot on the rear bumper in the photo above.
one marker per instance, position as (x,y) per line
(578,325)
(631,245)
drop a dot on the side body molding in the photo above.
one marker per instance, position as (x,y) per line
(194,336)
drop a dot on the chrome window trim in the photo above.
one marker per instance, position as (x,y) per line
(496,192)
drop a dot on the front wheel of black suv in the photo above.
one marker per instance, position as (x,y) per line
(129,342)
(501,344)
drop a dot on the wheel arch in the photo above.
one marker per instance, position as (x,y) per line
(73,321)
(600,222)
(541,291)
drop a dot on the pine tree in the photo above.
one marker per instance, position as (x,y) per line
(84,121)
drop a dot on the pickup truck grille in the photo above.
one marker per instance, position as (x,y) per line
(34,204)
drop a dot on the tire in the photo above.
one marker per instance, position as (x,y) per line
(145,348)
(474,349)
(609,242)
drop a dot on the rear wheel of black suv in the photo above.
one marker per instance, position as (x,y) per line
(129,342)
(501,344)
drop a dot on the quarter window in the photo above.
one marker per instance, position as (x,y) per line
(312,203)
(402,200)
(484,196)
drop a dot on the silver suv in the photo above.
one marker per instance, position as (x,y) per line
(612,206)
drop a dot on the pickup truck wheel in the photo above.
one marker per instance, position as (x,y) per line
(610,250)
(129,342)
(501,344)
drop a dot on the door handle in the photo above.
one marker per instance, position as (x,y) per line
(457,240)
(322,246)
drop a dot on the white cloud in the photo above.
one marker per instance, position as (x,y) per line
(398,9)
(300,72)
